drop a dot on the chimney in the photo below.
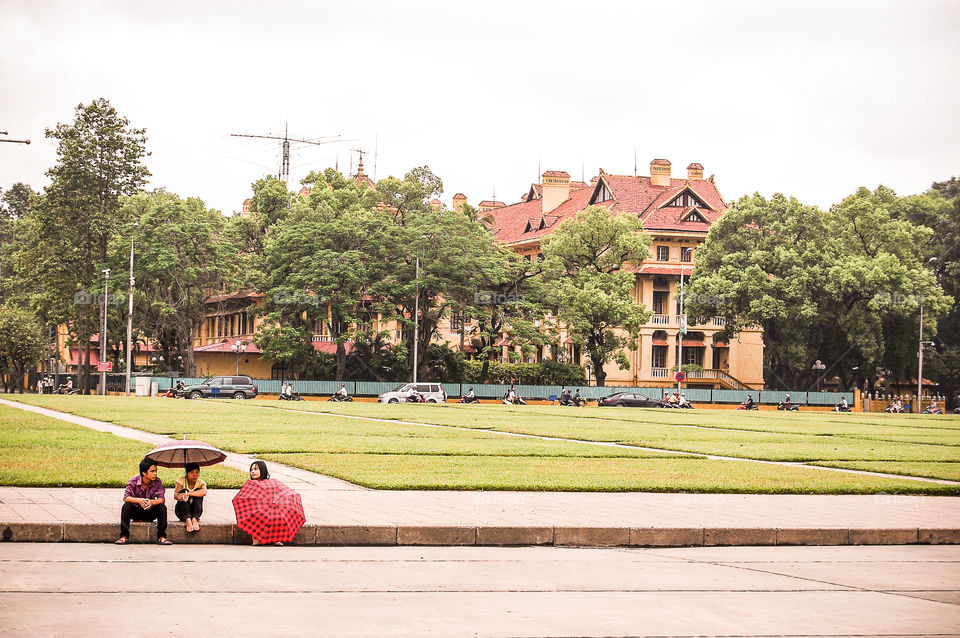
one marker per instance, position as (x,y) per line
(660,172)
(695,172)
(556,189)
(459,199)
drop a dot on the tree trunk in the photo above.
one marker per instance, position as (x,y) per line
(84,380)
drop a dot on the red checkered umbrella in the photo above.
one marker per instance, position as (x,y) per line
(269,511)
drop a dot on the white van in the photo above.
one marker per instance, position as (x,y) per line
(431,393)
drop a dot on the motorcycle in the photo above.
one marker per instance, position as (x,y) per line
(468,400)
(340,398)
(841,408)
(789,407)
(290,397)
(62,389)
(748,406)
(517,400)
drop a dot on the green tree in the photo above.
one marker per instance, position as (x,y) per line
(22,344)
(99,160)
(316,267)
(588,284)
(831,285)
(939,210)
(410,195)
(456,257)
(181,256)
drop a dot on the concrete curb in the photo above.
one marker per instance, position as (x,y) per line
(489,536)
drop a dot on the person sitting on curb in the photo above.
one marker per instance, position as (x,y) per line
(189,492)
(143,501)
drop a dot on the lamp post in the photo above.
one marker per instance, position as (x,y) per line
(416,319)
(103,331)
(920,349)
(239,349)
(126,389)
(819,368)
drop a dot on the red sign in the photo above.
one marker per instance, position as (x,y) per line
(105,366)
(680,377)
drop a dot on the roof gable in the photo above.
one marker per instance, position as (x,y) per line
(694,216)
(685,198)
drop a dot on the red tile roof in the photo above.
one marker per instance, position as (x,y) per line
(636,195)
(695,165)
(665,269)
(329,347)
(224,346)
(556,174)
(662,162)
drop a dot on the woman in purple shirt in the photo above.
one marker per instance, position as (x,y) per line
(143,501)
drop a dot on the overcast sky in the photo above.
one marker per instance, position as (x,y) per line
(812,99)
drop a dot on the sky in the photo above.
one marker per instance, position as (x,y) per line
(811,99)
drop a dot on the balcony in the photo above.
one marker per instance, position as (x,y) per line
(660,373)
(719,321)
(660,320)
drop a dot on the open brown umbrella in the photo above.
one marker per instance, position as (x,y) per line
(178,453)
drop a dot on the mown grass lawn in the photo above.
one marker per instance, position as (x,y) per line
(391,447)
(39,451)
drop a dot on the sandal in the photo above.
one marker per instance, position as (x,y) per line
(120,541)
(163,541)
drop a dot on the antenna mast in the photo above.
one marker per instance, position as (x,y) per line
(286,139)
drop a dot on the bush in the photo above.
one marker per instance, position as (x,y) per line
(549,372)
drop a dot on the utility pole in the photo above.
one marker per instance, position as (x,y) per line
(103,331)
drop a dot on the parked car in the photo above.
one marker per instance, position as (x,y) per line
(431,393)
(630,400)
(221,387)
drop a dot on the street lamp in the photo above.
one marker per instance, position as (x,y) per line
(126,389)
(819,368)
(683,330)
(239,349)
(920,350)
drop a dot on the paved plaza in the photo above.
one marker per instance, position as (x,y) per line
(103,590)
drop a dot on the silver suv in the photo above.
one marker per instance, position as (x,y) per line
(222,387)
(431,393)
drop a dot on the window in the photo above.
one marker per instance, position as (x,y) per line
(659,359)
(686,254)
(602,194)
(660,301)
(663,253)
(279,371)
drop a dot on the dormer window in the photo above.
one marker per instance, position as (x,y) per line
(694,216)
(601,194)
(686,199)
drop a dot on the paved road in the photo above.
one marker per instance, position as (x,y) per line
(103,590)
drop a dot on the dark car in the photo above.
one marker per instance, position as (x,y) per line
(630,400)
(222,387)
